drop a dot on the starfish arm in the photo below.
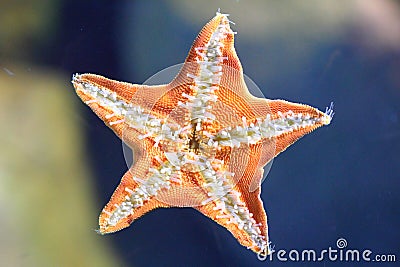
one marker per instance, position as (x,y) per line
(243,214)
(247,163)
(109,99)
(282,125)
(124,106)
(137,194)
(226,179)
(295,120)
(214,44)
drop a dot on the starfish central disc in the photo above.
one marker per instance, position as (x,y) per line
(200,141)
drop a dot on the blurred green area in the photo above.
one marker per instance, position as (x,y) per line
(25,24)
(46,201)
(47,216)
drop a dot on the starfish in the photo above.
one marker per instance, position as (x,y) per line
(200,141)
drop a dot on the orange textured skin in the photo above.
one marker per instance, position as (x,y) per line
(232,105)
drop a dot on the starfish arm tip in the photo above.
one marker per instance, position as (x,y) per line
(75,77)
(328,115)
(99,231)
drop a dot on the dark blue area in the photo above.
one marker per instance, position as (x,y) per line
(340,181)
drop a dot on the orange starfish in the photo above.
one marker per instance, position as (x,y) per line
(200,141)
